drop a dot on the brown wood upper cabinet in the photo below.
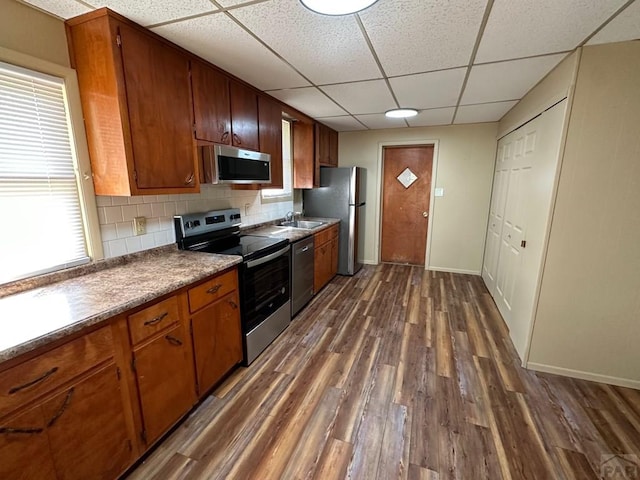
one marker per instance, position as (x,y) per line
(314,145)
(306,170)
(270,132)
(136,101)
(244,116)
(211,104)
(326,146)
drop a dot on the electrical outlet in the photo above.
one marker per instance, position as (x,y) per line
(140,225)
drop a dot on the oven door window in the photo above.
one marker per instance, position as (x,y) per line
(265,288)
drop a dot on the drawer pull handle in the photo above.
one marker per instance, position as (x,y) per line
(214,289)
(8,430)
(33,382)
(233,304)
(156,320)
(173,340)
(62,408)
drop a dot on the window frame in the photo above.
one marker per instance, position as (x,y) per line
(287,196)
(78,140)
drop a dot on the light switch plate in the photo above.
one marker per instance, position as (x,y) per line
(439,192)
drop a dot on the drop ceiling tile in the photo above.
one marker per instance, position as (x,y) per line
(310,101)
(435,116)
(418,36)
(323,48)
(378,120)
(429,90)
(61,8)
(233,3)
(554,26)
(506,80)
(344,123)
(150,12)
(486,112)
(362,97)
(218,39)
(626,26)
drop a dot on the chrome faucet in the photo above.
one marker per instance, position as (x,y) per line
(289,217)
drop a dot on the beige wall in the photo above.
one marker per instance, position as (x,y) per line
(32,32)
(588,318)
(551,89)
(465,159)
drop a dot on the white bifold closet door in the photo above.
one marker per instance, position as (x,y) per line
(519,218)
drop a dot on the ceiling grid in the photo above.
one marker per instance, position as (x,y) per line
(462,61)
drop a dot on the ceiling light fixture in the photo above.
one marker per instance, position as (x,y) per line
(337,7)
(401,113)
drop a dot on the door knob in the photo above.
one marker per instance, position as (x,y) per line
(425,214)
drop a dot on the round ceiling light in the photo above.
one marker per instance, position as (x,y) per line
(401,113)
(337,7)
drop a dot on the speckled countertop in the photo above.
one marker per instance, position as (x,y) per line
(292,234)
(35,317)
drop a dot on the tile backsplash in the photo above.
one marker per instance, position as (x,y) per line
(116,215)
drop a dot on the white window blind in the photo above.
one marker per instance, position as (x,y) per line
(42,226)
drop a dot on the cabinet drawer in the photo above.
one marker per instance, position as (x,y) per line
(29,380)
(212,290)
(325,235)
(153,319)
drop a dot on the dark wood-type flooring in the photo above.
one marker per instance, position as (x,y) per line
(399,373)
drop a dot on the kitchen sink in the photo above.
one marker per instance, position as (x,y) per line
(308,224)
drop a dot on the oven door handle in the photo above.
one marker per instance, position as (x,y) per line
(268,258)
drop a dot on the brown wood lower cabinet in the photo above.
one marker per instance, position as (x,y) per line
(87,429)
(24,447)
(164,373)
(88,408)
(217,340)
(74,430)
(326,257)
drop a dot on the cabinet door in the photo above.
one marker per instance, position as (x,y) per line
(211,104)
(217,341)
(160,116)
(334,257)
(321,266)
(87,429)
(244,117)
(333,148)
(305,168)
(165,381)
(322,144)
(24,448)
(270,129)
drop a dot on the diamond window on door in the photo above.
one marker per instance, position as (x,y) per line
(407,177)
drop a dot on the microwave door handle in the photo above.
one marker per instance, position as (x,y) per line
(268,258)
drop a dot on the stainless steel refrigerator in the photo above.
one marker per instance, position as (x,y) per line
(341,195)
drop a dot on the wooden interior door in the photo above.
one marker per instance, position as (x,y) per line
(405,209)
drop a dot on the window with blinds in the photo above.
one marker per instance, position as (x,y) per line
(42,225)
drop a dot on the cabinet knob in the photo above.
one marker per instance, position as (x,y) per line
(425,214)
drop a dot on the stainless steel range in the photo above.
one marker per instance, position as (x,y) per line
(264,273)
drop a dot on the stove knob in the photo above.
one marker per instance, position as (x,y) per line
(188,225)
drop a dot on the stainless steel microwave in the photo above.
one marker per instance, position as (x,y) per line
(224,164)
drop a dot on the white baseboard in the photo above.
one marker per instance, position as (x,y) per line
(454,270)
(369,262)
(594,377)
